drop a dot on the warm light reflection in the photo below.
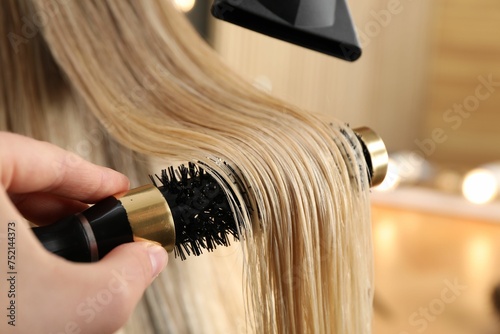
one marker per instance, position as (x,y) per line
(479,252)
(184,5)
(385,234)
(412,167)
(392,178)
(480,186)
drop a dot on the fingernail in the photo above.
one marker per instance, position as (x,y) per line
(158,257)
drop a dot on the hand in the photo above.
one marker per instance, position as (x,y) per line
(41,292)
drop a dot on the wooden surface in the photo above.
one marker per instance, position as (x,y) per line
(465,47)
(417,257)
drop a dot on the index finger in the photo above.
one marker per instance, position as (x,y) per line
(28,165)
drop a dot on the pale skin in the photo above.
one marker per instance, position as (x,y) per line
(43,183)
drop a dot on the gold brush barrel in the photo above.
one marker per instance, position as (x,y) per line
(149,215)
(375,152)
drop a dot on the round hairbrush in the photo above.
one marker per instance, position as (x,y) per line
(185,210)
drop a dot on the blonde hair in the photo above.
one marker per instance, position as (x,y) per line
(137,71)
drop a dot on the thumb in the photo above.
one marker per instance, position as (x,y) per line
(125,272)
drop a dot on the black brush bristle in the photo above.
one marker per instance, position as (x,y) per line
(200,208)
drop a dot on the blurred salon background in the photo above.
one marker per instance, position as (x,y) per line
(429,83)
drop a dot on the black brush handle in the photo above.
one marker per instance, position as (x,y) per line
(89,235)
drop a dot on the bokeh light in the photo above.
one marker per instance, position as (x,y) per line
(184,5)
(480,186)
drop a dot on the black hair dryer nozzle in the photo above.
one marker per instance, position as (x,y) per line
(321,25)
